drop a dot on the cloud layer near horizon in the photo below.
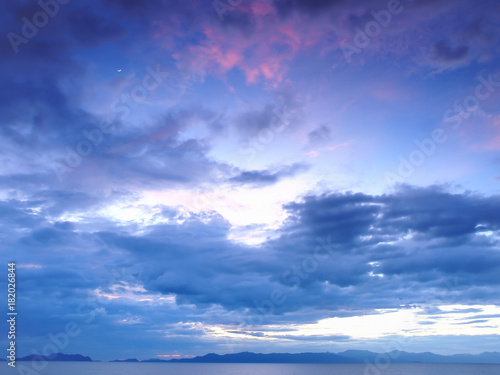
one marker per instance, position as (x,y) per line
(336,255)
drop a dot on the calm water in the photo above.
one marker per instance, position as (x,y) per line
(79,368)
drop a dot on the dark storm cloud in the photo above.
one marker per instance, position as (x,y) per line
(437,213)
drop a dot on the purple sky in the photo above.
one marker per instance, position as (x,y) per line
(185,177)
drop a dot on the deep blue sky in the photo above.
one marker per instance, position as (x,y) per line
(184,177)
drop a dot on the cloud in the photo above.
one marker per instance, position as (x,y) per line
(337,254)
(265,178)
(415,238)
(314,7)
(284,111)
(320,135)
(443,52)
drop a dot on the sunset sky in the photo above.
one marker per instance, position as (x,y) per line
(185,177)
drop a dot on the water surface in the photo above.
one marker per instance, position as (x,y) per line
(106,368)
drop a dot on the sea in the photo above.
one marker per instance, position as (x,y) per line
(110,368)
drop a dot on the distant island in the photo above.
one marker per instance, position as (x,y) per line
(57,357)
(349,356)
(247,357)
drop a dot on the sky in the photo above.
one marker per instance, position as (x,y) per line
(186,177)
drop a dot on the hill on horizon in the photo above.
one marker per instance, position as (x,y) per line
(348,356)
(56,357)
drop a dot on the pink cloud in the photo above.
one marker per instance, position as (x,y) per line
(261,8)
(312,154)
(342,145)
(264,43)
(262,54)
(389,91)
